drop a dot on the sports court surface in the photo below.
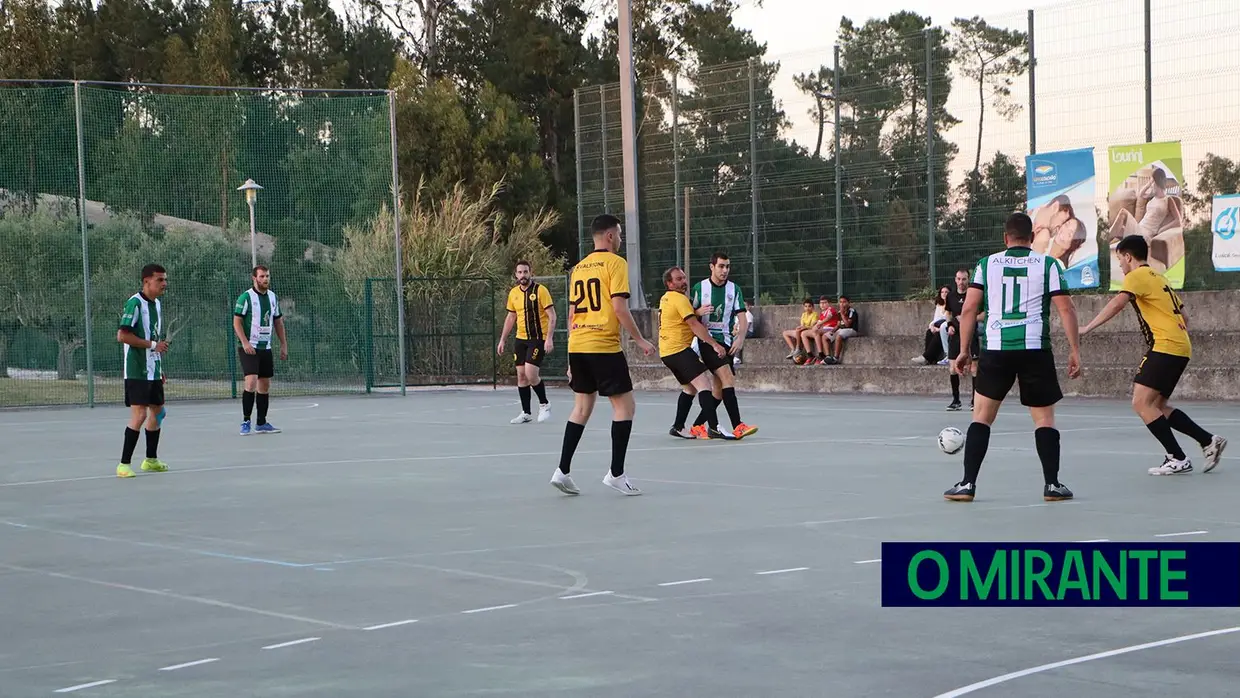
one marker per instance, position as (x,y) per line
(389,546)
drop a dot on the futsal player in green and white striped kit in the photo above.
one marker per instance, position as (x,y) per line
(256,316)
(141,336)
(1016,289)
(719,303)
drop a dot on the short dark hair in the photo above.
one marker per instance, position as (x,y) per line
(824,298)
(151,270)
(718,256)
(667,275)
(522,263)
(1134,245)
(808,300)
(603,223)
(260,267)
(845,298)
(1019,227)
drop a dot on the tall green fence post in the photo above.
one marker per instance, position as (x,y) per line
(370,339)
(81,176)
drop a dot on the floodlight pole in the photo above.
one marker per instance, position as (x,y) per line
(250,189)
(628,149)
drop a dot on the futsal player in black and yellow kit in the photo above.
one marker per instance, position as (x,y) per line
(678,325)
(531,311)
(597,308)
(1165,326)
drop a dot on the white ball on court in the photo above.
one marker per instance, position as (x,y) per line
(951,440)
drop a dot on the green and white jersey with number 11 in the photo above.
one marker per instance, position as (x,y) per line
(1017,286)
(143,317)
(258,313)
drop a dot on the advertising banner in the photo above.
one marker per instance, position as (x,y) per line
(1224,226)
(1061,190)
(1145,199)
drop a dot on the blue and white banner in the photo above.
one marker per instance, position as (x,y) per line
(1060,189)
(1225,229)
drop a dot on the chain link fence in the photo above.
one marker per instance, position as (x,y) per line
(879,166)
(98,180)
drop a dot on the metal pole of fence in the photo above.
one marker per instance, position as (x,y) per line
(1033,101)
(930,152)
(1149,78)
(676,163)
(602,129)
(839,186)
(753,179)
(81,172)
(400,266)
(581,206)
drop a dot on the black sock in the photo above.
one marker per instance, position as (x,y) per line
(619,445)
(572,436)
(247,404)
(524,392)
(709,414)
(261,400)
(1161,429)
(541,391)
(976,441)
(733,408)
(1183,424)
(152,443)
(955,388)
(1047,441)
(684,403)
(131,442)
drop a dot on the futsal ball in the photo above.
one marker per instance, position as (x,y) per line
(800,359)
(951,440)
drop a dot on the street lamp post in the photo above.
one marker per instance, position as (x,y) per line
(251,196)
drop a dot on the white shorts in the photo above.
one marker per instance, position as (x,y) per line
(841,332)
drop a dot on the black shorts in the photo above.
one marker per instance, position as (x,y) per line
(1033,369)
(605,374)
(713,361)
(685,365)
(261,363)
(139,391)
(1161,371)
(528,351)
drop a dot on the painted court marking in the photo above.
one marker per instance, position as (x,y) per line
(187,665)
(302,641)
(964,690)
(80,687)
(685,581)
(1181,533)
(587,595)
(790,569)
(382,626)
(867,562)
(491,608)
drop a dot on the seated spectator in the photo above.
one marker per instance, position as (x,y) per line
(935,350)
(813,341)
(847,326)
(793,337)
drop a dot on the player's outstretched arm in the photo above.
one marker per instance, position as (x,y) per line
(1110,311)
(620,305)
(510,321)
(1071,328)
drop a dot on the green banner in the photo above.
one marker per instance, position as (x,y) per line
(1145,198)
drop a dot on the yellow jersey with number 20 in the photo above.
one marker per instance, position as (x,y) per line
(593,327)
(1158,312)
(675,335)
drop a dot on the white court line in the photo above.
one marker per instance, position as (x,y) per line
(79,687)
(587,595)
(1080,660)
(831,521)
(685,581)
(1095,540)
(381,626)
(187,665)
(790,569)
(1181,533)
(491,608)
(302,641)
(867,562)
